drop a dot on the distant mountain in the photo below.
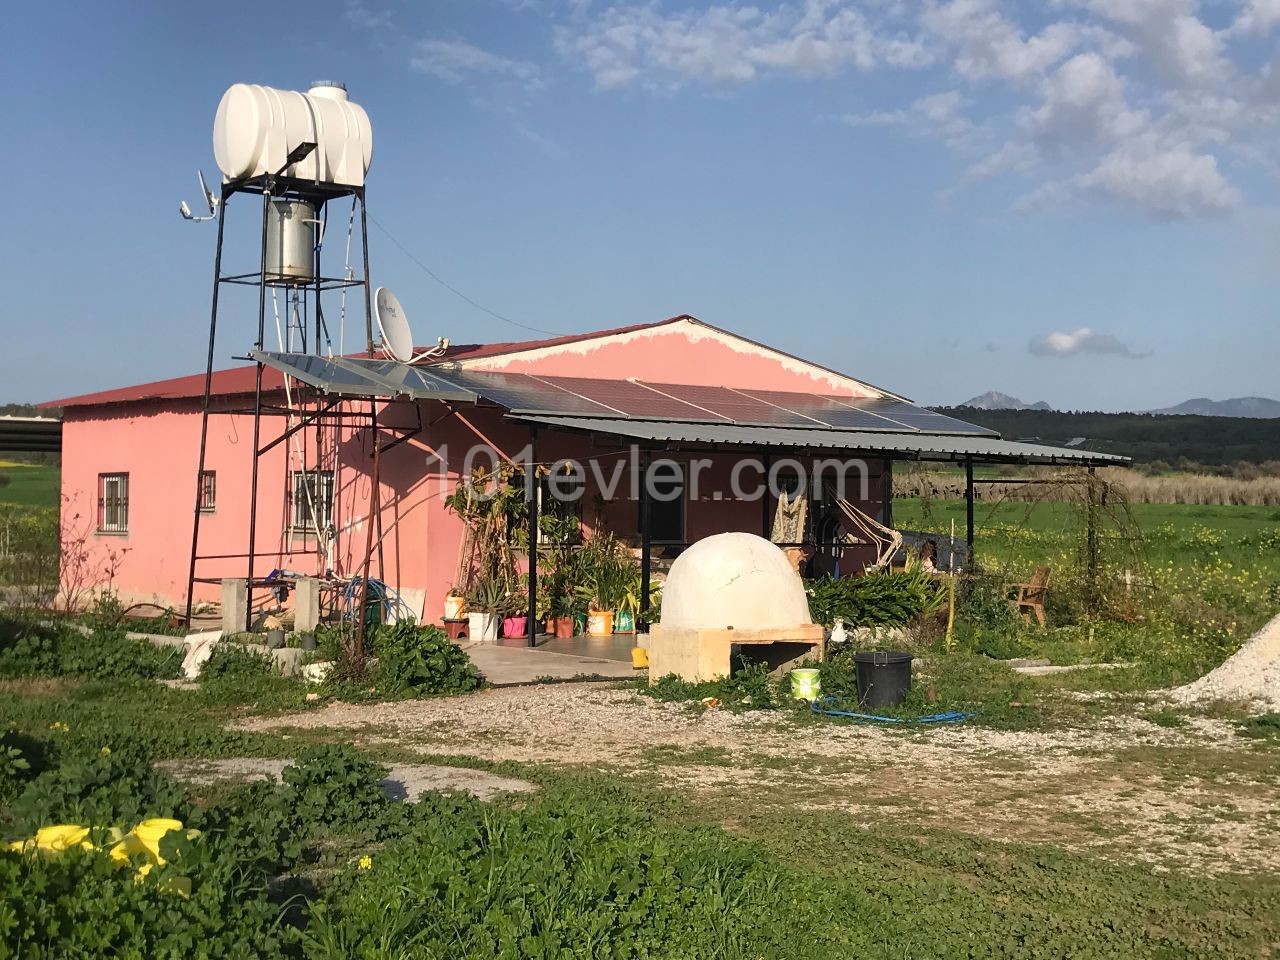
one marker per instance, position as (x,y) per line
(1239,407)
(994,400)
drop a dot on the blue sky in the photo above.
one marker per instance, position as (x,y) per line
(1071,201)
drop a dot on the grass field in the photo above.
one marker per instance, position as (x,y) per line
(30,484)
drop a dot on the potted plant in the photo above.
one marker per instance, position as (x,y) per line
(485,601)
(606,568)
(515,613)
(629,613)
(455,604)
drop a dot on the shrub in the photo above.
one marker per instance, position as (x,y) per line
(80,904)
(334,784)
(876,600)
(749,687)
(31,649)
(22,759)
(111,786)
(421,660)
(236,663)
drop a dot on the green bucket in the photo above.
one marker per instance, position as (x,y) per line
(805,684)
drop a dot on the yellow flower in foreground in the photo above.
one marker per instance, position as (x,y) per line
(105,751)
(366,863)
(179,885)
(61,837)
(150,832)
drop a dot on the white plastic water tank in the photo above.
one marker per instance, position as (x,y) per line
(256,127)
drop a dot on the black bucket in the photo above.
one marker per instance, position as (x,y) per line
(884,678)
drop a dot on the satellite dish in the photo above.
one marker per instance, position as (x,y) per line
(397,338)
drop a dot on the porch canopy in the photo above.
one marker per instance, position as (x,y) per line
(30,435)
(664,416)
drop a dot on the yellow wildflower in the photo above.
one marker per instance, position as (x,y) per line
(366,863)
(105,751)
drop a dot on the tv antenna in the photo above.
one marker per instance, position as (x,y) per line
(397,336)
(210,201)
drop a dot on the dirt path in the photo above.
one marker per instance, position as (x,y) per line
(1196,796)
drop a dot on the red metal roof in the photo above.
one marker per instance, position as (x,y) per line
(240,380)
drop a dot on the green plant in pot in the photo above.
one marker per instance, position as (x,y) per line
(515,613)
(629,612)
(486,601)
(606,568)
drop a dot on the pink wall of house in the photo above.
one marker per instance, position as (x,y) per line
(683,352)
(157,442)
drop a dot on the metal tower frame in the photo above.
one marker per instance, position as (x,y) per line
(271,188)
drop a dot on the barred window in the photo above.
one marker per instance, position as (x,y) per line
(113,503)
(312,500)
(208,490)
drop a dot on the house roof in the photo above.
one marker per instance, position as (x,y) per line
(240,381)
(919,445)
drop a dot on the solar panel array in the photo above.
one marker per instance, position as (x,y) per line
(526,394)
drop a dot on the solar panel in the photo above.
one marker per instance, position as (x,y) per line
(731,405)
(522,393)
(354,378)
(918,418)
(817,411)
(631,399)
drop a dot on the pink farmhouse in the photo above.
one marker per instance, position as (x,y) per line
(130,456)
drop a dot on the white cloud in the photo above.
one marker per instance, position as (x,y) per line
(365,18)
(1169,181)
(455,60)
(1135,102)
(987,45)
(1170,36)
(1083,106)
(1257,17)
(727,44)
(1082,341)
(937,115)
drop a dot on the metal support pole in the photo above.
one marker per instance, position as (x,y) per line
(257,407)
(1091,523)
(887,492)
(766,521)
(531,491)
(368,302)
(204,412)
(375,507)
(968,507)
(646,546)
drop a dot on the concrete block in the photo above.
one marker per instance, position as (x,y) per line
(699,656)
(235,606)
(306,604)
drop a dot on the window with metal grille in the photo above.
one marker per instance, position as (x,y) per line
(113,503)
(312,500)
(208,490)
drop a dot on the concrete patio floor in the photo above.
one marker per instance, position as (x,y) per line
(575,658)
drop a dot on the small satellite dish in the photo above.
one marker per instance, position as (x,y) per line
(397,338)
(209,199)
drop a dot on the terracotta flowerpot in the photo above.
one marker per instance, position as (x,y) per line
(562,627)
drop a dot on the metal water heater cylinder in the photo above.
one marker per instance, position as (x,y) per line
(256,127)
(291,241)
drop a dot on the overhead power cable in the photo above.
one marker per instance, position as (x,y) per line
(454,290)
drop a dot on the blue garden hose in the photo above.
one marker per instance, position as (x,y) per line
(825,706)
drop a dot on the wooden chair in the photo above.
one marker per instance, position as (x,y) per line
(1029,597)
